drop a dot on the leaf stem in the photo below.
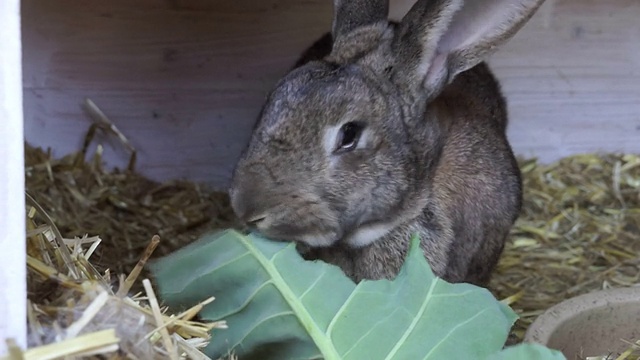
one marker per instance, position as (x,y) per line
(322,341)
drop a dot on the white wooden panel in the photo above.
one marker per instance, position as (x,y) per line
(185,79)
(572,78)
(13,292)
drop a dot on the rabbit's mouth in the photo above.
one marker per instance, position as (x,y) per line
(314,227)
(286,216)
(313,236)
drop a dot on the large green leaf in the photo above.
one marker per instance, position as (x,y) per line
(279,306)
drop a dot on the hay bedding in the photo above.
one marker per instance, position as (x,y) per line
(122,207)
(76,310)
(578,231)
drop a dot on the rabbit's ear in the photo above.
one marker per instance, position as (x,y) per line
(351,14)
(438,39)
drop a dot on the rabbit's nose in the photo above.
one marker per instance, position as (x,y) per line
(247,207)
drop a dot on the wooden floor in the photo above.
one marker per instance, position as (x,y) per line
(184,79)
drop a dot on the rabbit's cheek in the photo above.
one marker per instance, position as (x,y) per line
(365,235)
(319,240)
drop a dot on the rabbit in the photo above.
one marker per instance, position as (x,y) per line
(383,130)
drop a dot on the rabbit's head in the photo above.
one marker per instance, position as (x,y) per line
(343,149)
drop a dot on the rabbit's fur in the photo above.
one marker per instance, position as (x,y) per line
(429,153)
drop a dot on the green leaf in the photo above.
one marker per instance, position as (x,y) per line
(279,306)
(527,352)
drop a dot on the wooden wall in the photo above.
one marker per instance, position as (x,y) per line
(13,288)
(184,79)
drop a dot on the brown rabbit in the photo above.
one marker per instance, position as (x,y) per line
(400,129)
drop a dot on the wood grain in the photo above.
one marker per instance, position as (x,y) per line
(13,292)
(572,79)
(184,80)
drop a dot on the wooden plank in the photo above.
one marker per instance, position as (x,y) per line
(13,292)
(214,129)
(185,79)
(572,81)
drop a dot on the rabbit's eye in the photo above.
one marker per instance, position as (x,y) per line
(348,136)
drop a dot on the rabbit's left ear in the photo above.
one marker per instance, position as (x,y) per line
(438,39)
(349,15)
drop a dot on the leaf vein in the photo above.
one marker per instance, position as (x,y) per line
(205,272)
(304,316)
(465,293)
(340,311)
(284,313)
(444,338)
(311,286)
(249,299)
(415,321)
(373,327)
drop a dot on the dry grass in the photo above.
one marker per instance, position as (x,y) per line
(124,208)
(578,232)
(74,311)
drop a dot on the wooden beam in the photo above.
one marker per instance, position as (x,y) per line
(12,199)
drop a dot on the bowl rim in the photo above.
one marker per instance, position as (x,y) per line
(545,324)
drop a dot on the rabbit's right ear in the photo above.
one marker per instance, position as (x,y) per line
(438,39)
(349,15)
